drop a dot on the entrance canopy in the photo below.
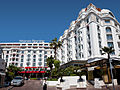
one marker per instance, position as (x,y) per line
(33,70)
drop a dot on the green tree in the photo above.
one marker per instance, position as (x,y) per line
(50,62)
(57,64)
(55,44)
(12,71)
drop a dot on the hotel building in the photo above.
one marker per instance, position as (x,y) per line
(2,69)
(27,53)
(93,29)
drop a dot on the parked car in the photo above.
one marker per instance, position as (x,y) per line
(6,83)
(17,81)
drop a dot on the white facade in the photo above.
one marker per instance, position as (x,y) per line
(27,53)
(92,30)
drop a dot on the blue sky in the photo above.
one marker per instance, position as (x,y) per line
(43,19)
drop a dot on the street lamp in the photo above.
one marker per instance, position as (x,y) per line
(110,60)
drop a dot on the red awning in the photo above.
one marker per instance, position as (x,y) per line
(34,67)
(27,67)
(32,72)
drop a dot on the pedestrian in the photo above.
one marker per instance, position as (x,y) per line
(44,85)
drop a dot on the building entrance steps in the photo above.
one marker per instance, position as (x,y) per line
(71,82)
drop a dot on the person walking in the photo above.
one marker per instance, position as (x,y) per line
(44,85)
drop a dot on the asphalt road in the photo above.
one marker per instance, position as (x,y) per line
(29,85)
(37,85)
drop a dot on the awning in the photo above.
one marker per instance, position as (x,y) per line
(32,72)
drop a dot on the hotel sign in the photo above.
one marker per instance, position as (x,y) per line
(31,41)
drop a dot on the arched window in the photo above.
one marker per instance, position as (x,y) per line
(108,29)
(34,56)
(28,63)
(22,56)
(29,55)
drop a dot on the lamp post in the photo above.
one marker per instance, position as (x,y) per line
(110,60)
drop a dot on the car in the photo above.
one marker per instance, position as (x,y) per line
(17,81)
(6,83)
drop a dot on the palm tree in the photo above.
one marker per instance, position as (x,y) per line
(108,51)
(50,62)
(55,45)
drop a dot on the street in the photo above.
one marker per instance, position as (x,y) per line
(37,85)
(29,85)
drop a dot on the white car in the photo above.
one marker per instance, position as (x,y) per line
(17,81)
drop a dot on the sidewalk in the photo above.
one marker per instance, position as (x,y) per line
(92,88)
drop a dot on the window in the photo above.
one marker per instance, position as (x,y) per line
(40,44)
(90,52)
(21,60)
(100,44)
(40,51)
(21,65)
(99,36)
(6,60)
(40,63)
(35,44)
(7,52)
(17,55)
(40,55)
(34,56)
(16,59)
(34,64)
(22,56)
(46,44)
(23,44)
(78,25)
(34,60)
(109,37)
(28,59)
(116,24)
(45,52)
(34,51)
(18,51)
(28,55)
(119,37)
(40,59)
(29,44)
(119,44)
(110,44)
(107,21)
(22,51)
(98,28)
(28,63)
(87,28)
(16,64)
(97,19)
(7,56)
(108,29)
(45,56)
(29,51)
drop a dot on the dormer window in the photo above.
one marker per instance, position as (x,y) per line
(107,21)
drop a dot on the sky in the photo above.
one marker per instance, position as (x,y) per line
(43,19)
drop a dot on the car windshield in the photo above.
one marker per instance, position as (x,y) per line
(18,78)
